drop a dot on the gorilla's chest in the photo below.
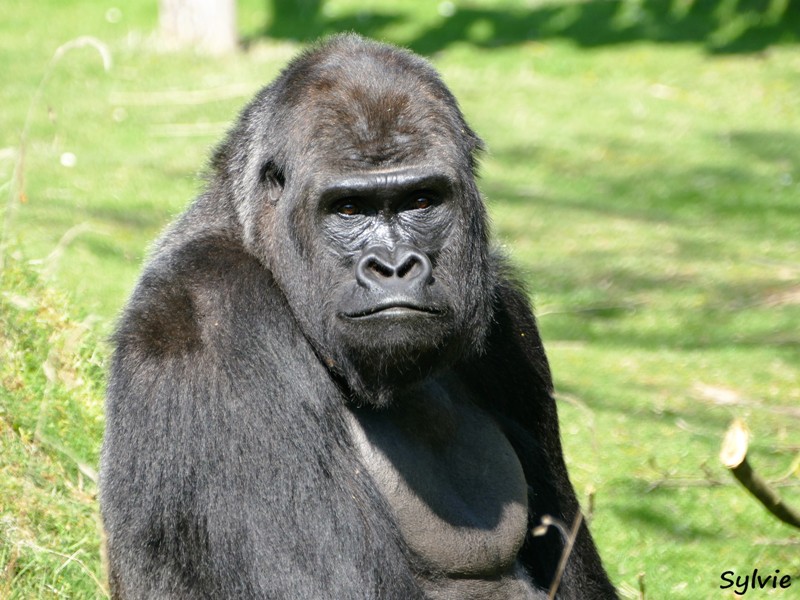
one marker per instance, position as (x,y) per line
(451,478)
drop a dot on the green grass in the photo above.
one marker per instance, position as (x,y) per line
(50,422)
(642,170)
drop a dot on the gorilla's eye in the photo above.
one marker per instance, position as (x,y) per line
(422,203)
(348,208)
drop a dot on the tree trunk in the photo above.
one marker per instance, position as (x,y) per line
(205,25)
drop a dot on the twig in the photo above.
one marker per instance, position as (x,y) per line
(668,479)
(591,309)
(570,537)
(182,97)
(589,419)
(69,559)
(725,397)
(17,184)
(669,482)
(50,262)
(734,456)
(773,542)
(82,466)
(188,129)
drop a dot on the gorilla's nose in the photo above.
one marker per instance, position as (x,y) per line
(402,268)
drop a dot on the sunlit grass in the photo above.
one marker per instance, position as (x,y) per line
(642,172)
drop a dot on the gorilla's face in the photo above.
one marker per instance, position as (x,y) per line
(368,215)
(388,283)
(391,305)
(388,228)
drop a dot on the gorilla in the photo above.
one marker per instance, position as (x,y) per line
(326,383)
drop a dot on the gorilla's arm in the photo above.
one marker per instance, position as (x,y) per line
(514,377)
(226,466)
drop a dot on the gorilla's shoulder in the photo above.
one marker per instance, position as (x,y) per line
(195,295)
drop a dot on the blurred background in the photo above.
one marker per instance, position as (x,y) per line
(643,172)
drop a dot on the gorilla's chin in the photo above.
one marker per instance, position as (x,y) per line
(380,356)
(371,385)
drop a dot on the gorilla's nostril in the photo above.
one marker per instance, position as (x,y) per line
(411,263)
(379,268)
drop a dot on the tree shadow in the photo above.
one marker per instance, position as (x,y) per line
(779,147)
(735,26)
(663,515)
(687,196)
(315,25)
(727,312)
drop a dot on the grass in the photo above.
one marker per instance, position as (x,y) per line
(643,170)
(50,422)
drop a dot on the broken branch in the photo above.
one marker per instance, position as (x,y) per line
(734,456)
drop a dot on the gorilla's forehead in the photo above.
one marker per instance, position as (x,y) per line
(372,128)
(375,113)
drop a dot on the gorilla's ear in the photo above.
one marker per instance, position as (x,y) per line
(271,177)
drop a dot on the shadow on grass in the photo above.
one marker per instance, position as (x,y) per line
(726,27)
(752,197)
(678,526)
(779,147)
(660,192)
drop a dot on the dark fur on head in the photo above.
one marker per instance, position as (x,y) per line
(335,110)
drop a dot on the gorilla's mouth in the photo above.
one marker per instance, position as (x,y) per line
(393,310)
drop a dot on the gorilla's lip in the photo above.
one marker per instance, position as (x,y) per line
(394,310)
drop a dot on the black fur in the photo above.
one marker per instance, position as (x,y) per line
(258,329)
